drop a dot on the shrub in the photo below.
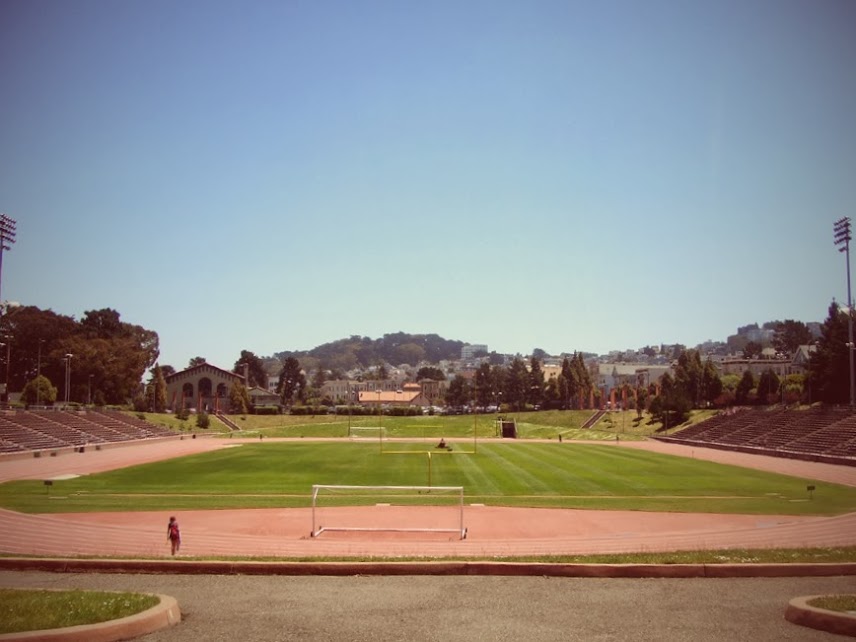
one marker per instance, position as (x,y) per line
(203,420)
(266,410)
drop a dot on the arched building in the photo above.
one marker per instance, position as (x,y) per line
(203,387)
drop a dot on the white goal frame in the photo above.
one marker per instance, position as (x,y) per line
(460,530)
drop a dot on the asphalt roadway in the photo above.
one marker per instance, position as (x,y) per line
(426,608)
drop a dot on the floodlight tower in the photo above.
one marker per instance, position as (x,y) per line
(7,237)
(842,239)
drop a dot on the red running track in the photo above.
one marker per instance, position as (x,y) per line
(492,531)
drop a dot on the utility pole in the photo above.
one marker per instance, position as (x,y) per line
(842,239)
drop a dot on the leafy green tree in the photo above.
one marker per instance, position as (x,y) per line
(39,391)
(539,354)
(768,387)
(752,350)
(516,384)
(256,373)
(203,421)
(458,392)
(535,389)
(156,390)
(746,385)
(552,396)
(790,335)
(196,361)
(430,372)
(239,399)
(563,391)
(291,382)
(829,368)
(113,355)
(711,383)
(672,405)
(485,386)
(316,386)
(689,375)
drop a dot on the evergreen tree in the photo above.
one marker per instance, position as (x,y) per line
(239,399)
(516,384)
(292,381)
(535,389)
(747,383)
(458,392)
(768,387)
(829,369)
(157,390)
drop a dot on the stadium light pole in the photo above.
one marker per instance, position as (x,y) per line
(842,239)
(39,374)
(67,377)
(7,237)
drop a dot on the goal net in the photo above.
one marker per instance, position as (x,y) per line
(367,432)
(390,509)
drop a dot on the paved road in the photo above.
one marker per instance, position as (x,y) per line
(471,609)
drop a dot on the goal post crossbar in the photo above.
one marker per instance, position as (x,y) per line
(459,529)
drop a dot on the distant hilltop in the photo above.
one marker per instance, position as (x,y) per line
(412,349)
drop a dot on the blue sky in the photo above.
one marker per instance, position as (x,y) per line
(562,175)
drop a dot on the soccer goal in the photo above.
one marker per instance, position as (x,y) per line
(367,432)
(368,509)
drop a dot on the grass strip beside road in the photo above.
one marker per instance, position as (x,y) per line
(36,610)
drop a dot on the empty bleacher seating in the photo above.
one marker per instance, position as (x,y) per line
(48,429)
(820,433)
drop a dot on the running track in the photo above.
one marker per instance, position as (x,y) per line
(492,531)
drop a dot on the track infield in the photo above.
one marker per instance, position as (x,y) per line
(491,531)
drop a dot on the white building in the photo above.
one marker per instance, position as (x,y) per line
(469,351)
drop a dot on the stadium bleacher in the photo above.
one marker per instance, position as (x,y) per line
(22,430)
(819,433)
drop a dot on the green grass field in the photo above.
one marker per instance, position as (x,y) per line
(546,424)
(568,475)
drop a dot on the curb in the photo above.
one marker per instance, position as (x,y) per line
(165,613)
(517,569)
(800,612)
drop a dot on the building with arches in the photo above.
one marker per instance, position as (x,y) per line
(203,387)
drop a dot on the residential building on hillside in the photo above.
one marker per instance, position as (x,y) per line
(409,395)
(469,351)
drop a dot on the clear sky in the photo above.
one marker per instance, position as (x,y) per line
(563,175)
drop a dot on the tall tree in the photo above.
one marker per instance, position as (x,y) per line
(768,387)
(458,392)
(689,375)
(485,388)
(196,361)
(790,335)
(516,384)
(256,372)
(752,350)
(291,381)
(535,389)
(711,383)
(746,385)
(239,399)
(157,390)
(829,368)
